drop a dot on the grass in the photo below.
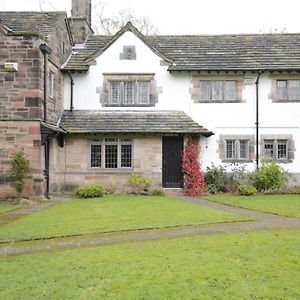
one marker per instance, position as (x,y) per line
(256,265)
(6,207)
(287,205)
(112,213)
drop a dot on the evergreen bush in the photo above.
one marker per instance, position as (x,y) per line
(90,190)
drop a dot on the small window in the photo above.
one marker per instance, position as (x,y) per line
(218,90)
(276,149)
(111,153)
(51,84)
(288,90)
(129,93)
(237,149)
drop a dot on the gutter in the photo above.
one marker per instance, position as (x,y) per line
(257,120)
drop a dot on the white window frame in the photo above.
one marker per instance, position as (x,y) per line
(288,87)
(137,98)
(275,143)
(211,84)
(237,150)
(109,141)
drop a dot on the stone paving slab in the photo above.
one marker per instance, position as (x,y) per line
(265,221)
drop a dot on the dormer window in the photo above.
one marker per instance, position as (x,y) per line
(129,93)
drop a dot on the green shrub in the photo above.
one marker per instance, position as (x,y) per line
(90,190)
(140,184)
(157,192)
(293,190)
(247,190)
(19,166)
(269,176)
(216,179)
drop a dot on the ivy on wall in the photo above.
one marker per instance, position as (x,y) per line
(194,183)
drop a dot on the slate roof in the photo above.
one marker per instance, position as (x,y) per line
(116,121)
(42,23)
(250,52)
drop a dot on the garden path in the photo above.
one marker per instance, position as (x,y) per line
(263,221)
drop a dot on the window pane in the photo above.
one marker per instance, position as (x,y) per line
(244,149)
(294,90)
(230,86)
(282,149)
(269,149)
(144,92)
(129,92)
(96,154)
(217,90)
(230,149)
(281,90)
(111,153)
(115,92)
(51,84)
(205,88)
(126,153)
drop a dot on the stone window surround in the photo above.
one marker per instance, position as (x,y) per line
(222,147)
(110,170)
(273,93)
(195,87)
(107,77)
(290,143)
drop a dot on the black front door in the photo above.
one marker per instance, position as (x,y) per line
(172,159)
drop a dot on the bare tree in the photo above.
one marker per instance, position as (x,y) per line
(110,25)
(267,29)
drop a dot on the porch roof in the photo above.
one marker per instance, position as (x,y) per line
(144,122)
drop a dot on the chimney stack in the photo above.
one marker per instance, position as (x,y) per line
(80,21)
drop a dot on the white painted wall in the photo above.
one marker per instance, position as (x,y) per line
(221,118)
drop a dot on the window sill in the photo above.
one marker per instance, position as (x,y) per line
(286,101)
(227,160)
(111,171)
(129,105)
(280,161)
(220,102)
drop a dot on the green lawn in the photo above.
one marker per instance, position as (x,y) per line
(112,213)
(6,207)
(288,205)
(256,265)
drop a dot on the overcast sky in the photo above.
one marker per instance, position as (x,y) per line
(192,16)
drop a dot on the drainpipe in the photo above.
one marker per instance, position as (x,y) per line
(257,119)
(46,50)
(72,84)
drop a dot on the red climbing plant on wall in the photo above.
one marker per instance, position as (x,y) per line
(194,183)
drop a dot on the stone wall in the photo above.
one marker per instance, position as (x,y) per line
(23,93)
(70,165)
(16,136)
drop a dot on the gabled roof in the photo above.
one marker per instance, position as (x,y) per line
(248,52)
(143,122)
(39,23)
(81,58)
(231,52)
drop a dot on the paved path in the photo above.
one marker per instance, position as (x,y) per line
(263,221)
